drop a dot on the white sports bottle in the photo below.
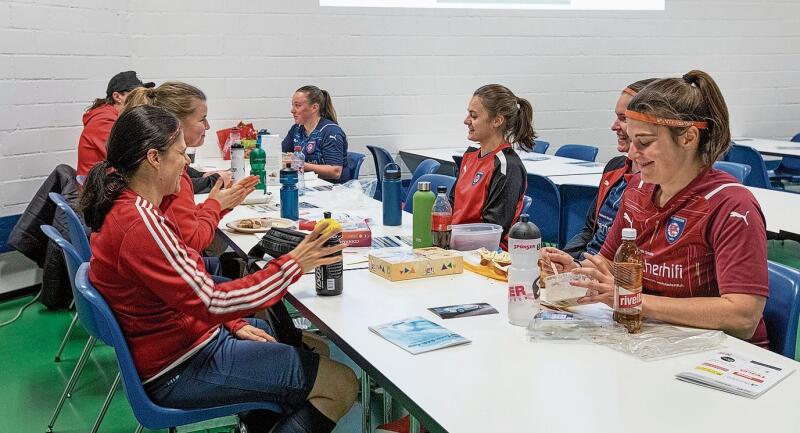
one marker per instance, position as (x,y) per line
(524,242)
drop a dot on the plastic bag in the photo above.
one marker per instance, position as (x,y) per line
(658,340)
(564,325)
(356,192)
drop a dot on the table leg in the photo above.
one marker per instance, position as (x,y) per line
(414,425)
(366,394)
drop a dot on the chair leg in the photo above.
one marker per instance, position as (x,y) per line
(414,427)
(66,337)
(139,429)
(387,406)
(366,395)
(107,402)
(87,350)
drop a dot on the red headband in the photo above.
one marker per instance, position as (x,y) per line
(673,123)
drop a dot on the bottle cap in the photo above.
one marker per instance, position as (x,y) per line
(423,186)
(523,218)
(441,189)
(326,214)
(297,148)
(288,176)
(629,234)
(391,171)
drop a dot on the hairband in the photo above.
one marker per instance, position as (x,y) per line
(674,123)
(629,91)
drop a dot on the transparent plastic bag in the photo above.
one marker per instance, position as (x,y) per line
(357,192)
(564,325)
(658,340)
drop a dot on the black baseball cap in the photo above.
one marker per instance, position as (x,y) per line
(124,82)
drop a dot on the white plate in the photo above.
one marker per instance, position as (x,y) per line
(258,197)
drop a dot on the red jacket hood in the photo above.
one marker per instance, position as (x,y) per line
(104,111)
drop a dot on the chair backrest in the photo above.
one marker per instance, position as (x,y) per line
(782,311)
(380,157)
(578,151)
(428,166)
(74,261)
(457,159)
(149,415)
(435,180)
(540,146)
(545,211)
(575,203)
(735,169)
(748,156)
(77,234)
(796,138)
(354,161)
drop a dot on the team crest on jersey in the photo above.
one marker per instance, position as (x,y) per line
(477,178)
(310,147)
(675,226)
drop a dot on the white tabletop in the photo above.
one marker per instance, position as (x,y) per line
(770,147)
(578,179)
(538,163)
(781,210)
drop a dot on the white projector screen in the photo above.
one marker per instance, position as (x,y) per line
(504,4)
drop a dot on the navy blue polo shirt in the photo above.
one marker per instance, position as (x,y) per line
(327,144)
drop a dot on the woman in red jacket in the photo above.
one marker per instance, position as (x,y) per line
(190,345)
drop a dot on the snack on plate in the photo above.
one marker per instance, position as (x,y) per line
(501,259)
(253,223)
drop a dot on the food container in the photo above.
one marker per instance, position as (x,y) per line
(468,237)
(559,292)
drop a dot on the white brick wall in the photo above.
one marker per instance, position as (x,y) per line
(399,77)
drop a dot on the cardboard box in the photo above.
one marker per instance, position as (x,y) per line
(399,264)
(356,233)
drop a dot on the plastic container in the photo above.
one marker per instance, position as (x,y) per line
(468,237)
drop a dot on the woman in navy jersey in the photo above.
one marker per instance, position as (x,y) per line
(319,136)
(492,180)
(702,232)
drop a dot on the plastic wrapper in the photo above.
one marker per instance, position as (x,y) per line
(357,192)
(564,325)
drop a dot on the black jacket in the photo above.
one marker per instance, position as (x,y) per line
(201,185)
(29,239)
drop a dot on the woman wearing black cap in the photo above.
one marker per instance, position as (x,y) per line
(100,117)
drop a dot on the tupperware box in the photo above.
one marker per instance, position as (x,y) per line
(399,264)
(468,237)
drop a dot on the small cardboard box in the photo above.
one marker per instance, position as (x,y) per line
(399,264)
(356,233)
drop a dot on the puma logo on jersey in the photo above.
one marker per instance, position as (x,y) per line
(627,218)
(735,214)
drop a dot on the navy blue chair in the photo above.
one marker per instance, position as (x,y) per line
(782,310)
(748,156)
(428,166)
(575,203)
(146,412)
(435,180)
(789,167)
(380,157)
(739,171)
(526,204)
(577,151)
(457,160)
(540,146)
(74,260)
(545,214)
(354,161)
(77,232)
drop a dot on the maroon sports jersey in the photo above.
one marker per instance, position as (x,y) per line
(708,240)
(490,188)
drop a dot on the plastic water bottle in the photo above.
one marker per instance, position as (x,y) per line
(258,161)
(289,200)
(299,163)
(328,279)
(628,263)
(423,206)
(237,156)
(524,243)
(441,219)
(392,214)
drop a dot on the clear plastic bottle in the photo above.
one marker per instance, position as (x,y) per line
(441,219)
(298,163)
(524,243)
(628,266)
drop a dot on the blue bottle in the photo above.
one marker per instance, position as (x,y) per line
(391,191)
(289,198)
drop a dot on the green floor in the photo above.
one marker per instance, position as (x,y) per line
(33,382)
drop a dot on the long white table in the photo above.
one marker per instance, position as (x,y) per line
(503,383)
(770,147)
(538,163)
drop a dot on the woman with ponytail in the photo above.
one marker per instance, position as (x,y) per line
(189,341)
(492,179)
(317,133)
(197,223)
(702,232)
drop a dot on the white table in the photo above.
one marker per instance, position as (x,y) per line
(781,210)
(770,147)
(537,163)
(578,179)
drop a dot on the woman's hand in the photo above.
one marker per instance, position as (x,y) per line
(549,256)
(225,176)
(250,332)
(600,282)
(231,197)
(310,253)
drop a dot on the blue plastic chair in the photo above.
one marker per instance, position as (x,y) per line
(354,161)
(77,232)
(74,260)
(789,167)
(380,157)
(575,203)
(748,156)
(577,151)
(435,180)
(546,214)
(782,310)
(146,412)
(526,204)
(540,146)
(739,171)
(428,166)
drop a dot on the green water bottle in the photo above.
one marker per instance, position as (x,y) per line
(258,161)
(423,205)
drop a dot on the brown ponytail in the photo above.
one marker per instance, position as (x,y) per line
(315,95)
(175,96)
(517,112)
(693,97)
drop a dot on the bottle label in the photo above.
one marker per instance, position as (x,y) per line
(627,299)
(441,223)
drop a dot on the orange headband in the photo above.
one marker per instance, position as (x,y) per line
(629,91)
(673,123)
